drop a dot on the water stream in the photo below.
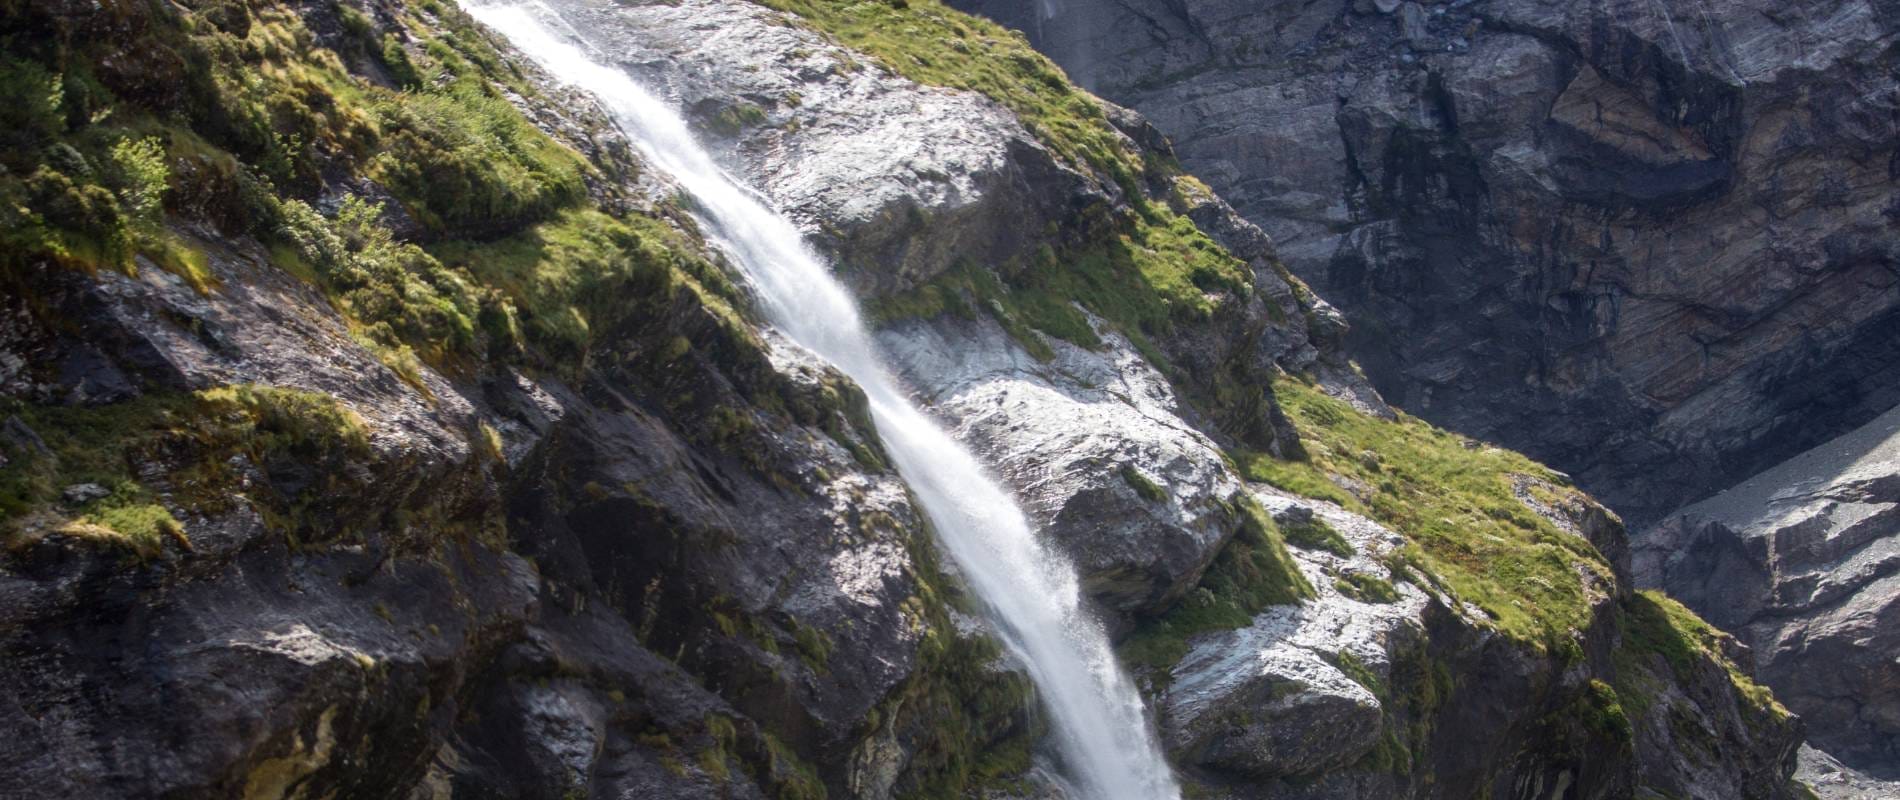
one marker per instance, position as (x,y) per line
(1031,593)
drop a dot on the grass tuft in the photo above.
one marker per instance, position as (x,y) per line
(1452,499)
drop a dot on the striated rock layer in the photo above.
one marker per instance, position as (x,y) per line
(1648,243)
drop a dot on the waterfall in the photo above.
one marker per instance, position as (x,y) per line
(1031,594)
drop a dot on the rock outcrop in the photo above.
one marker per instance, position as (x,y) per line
(297,507)
(1800,561)
(1648,244)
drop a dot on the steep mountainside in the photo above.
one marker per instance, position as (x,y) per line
(374,422)
(1650,243)
(1800,563)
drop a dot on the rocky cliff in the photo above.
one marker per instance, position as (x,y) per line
(1649,243)
(378,425)
(1799,561)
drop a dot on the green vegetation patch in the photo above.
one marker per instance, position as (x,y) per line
(932,44)
(1655,625)
(1251,572)
(247,114)
(193,438)
(1366,588)
(967,721)
(1452,499)
(1312,533)
(1144,276)
(1143,486)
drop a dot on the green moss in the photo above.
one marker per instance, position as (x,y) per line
(1453,500)
(735,118)
(196,436)
(814,647)
(1366,588)
(1142,276)
(1313,533)
(397,294)
(1251,572)
(1358,672)
(1418,685)
(789,777)
(1601,711)
(256,116)
(932,44)
(1655,625)
(966,721)
(1148,489)
(557,284)
(465,160)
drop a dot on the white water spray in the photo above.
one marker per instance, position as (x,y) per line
(1032,594)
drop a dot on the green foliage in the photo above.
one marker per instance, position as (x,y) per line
(1251,572)
(139,172)
(1601,711)
(1453,500)
(395,292)
(465,161)
(1149,273)
(558,283)
(195,436)
(31,96)
(814,647)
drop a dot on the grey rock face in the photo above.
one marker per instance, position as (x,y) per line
(1648,244)
(1094,444)
(1276,699)
(1800,562)
(1412,696)
(896,179)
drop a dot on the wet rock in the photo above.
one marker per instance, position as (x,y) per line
(896,180)
(1094,444)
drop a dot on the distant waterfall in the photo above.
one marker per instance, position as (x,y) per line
(1031,593)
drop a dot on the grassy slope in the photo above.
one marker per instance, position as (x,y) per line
(1454,500)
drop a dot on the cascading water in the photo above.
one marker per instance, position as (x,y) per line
(1031,593)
